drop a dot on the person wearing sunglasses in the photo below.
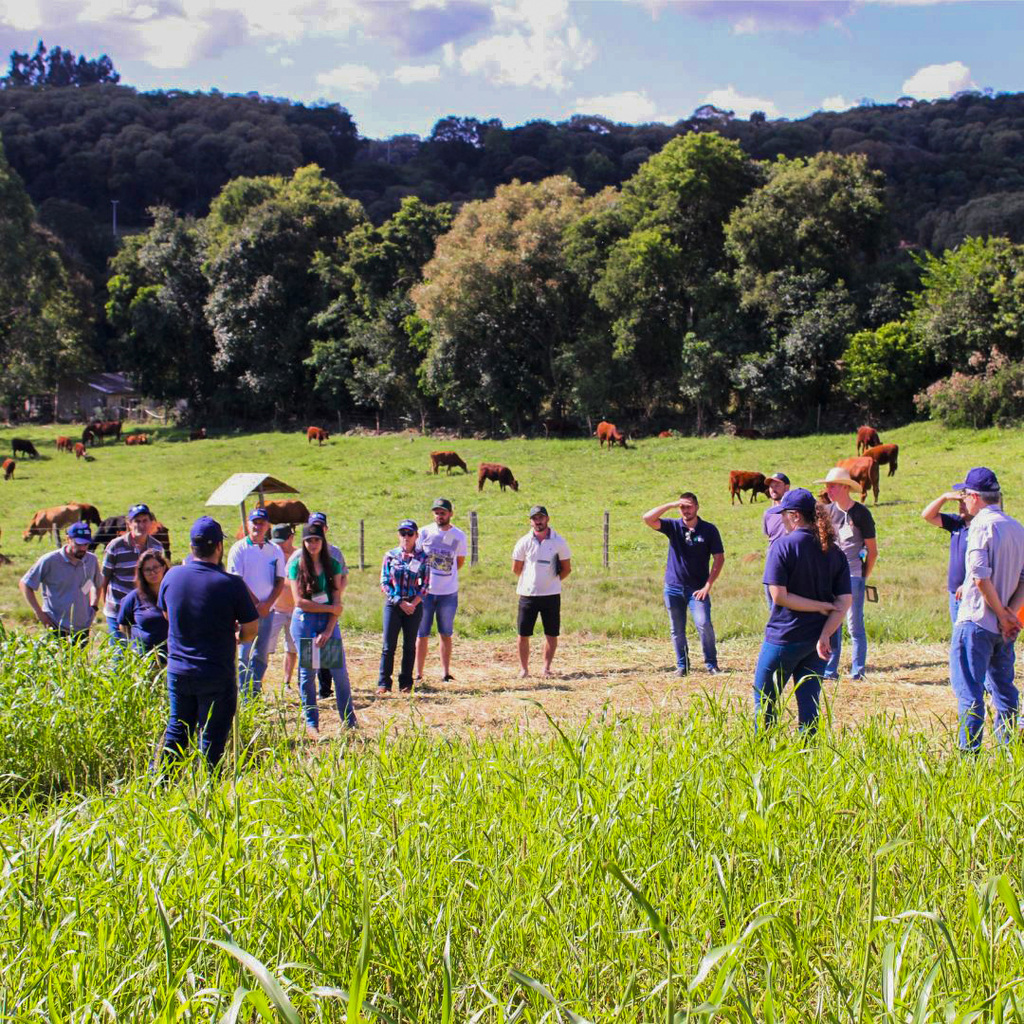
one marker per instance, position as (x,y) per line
(138,612)
(404,582)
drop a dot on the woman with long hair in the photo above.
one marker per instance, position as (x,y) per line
(315,581)
(808,578)
(138,612)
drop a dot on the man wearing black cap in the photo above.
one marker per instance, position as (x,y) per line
(206,608)
(119,561)
(541,560)
(981,653)
(445,546)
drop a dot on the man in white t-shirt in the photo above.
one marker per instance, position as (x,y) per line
(445,546)
(261,567)
(541,560)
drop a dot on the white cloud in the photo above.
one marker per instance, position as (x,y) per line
(349,78)
(627,107)
(536,43)
(415,74)
(836,104)
(938,80)
(287,62)
(448,56)
(171,42)
(742,106)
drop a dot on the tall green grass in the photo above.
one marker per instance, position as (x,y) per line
(677,869)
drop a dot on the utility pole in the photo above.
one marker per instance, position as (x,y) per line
(113,207)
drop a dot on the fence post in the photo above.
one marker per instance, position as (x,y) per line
(474,540)
(55,532)
(362,544)
(606,522)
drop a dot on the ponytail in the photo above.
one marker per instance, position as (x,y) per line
(823,526)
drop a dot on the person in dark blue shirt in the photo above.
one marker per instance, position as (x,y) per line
(956,526)
(808,578)
(695,560)
(205,606)
(138,612)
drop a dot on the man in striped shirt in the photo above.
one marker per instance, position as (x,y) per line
(119,561)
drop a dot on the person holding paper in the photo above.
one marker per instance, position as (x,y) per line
(315,581)
(404,581)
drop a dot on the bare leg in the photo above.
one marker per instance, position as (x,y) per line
(550,646)
(290,659)
(524,656)
(446,655)
(421,654)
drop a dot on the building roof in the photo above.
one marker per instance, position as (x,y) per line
(110,383)
(238,487)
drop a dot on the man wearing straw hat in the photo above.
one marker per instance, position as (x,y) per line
(855,532)
(981,653)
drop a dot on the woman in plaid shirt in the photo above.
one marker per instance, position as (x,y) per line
(404,577)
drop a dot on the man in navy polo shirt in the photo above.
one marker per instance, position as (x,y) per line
(206,610)
(695,560)
(956,526)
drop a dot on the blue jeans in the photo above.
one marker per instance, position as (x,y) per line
(855,625)
(677,605)
(981,660)
(116,637)
(253,658)
(207,705)
(776,665)
(395,622)
(444,606)
(305,625)
(954,607)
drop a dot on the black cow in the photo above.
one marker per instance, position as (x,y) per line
(19,444)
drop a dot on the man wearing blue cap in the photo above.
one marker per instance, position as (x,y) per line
(69,579)
(119,562)
(206,608)
(981,653)
(261,567)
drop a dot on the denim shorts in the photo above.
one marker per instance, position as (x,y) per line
(444,606)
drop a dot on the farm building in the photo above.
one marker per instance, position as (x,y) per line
(107,396)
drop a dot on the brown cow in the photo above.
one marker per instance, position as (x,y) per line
(740,481)
(867,437)
(198,435)
(863,471)
(9,465)
(79,450)
(500,474)
(63,444)
(610,433)
(60,516)
(103,428)
(885,455)
(749,433)
(282,510)
(665,433)
(317,434)
(449,459)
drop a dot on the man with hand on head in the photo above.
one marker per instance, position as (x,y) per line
(445,547)
(695,560)
(541,560)
(981,653)
(261,567)
(69,579)
(119,562)
(206,610)
(956,526)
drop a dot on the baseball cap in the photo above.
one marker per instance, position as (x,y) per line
(320,518)
(258,514)
(141,509)
(79,533)
(781,477)
(799,499)
(980,479)
(206,530)
(538,510)
(441,503)
(408,524)
(281,531)
(313,530)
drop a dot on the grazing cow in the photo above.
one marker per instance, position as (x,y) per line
(448,459)
(740,481)
(665,433)
(867,437)
(749,433)
(282,510)
(9,465)
(610,433)
(88,436)
(317,434)
(500,474)
(79,450)
(863,471)
(60,516)
(104,428)
(19,444)
(63,444)
(134,439)
(197,435)
(885,455)
(113,526)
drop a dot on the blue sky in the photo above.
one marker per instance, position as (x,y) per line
(400,65)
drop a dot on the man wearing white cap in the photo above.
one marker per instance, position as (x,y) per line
(855,532)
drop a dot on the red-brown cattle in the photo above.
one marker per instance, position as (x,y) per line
(79,450)
(449,459)
(64,444)
(885,455)
(317,434)
(867,437)
(740,481)
(9,465)
(665,433)
(103,428)
(283,510)
(610,433)
(197,435)
(863,471)
(500,474)
(60,516)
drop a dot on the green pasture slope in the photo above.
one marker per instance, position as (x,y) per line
(383,479)
(675,868)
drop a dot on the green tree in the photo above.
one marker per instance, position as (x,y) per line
(884,368)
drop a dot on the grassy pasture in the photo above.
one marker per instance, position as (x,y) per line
(382,479)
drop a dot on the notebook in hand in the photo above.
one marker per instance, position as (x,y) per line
(328,656)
